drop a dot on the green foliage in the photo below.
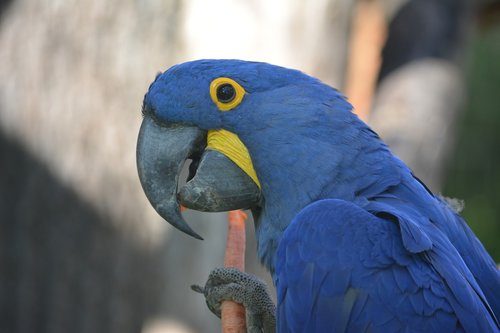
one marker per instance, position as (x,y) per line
(474,171)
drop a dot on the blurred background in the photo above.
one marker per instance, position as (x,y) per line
(81,250)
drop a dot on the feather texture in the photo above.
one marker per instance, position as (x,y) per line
(365,280)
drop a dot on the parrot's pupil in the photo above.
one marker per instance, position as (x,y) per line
(226,93)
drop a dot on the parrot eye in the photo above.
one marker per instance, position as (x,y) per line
(226,93)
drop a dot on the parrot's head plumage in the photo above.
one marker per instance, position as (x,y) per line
(261,136)
(187,93)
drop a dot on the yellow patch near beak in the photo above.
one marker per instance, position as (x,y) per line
(230,145)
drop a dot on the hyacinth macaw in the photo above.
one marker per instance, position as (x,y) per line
(353,240)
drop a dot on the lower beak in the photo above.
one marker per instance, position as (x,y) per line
(219,185)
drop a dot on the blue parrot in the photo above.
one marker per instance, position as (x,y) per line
(353,240)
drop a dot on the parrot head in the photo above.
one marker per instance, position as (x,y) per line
(258,135)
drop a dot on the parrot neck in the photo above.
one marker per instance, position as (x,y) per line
(314,170)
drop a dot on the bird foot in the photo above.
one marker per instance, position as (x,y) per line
(230,284)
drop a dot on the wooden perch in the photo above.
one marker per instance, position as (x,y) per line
(233,314)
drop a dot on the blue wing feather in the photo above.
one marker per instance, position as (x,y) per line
(410,201)
(339,268)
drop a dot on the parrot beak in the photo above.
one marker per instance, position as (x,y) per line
(216,183)
(219,185)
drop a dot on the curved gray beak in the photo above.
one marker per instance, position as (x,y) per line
(217,184)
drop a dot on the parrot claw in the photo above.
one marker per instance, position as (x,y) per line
(230,284)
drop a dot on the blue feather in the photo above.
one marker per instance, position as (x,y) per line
(391,297)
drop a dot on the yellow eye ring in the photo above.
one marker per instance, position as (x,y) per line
(226,93)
